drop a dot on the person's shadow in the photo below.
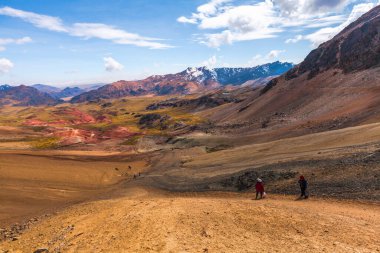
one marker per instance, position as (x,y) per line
(301,198)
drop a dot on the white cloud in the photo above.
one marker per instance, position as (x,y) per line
(111,64)
(186,20)
(85,30)
(274,53)
(211,7)
(325,21)
(41,21)
(259,59)
(5,65)
(305,8)
(327,33)
(118,36)
(7,41)
(210,63)
(264,19)
(203,11)
(295,39)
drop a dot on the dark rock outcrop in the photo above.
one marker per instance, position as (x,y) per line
(154,120)
(197,104)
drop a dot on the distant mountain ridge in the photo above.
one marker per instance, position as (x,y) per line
(25,96)
(68,92)
(46,88)
(5,87)
(65,92)
(193,79)
(238,76)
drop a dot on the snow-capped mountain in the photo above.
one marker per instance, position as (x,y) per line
(236,76)
(191,80)
(5,87)
(200,74)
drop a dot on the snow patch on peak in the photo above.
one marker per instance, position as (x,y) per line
(200,74)
(194,72)
(5,87)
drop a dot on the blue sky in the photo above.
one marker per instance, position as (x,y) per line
(89,41)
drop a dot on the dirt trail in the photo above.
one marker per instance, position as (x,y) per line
(144,220)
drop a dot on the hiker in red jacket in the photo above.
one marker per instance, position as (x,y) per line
(303,186)
(259,188)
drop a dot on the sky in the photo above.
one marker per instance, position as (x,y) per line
(75,42)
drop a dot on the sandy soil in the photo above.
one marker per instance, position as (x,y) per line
(32,182)
(149,221)
(97,206)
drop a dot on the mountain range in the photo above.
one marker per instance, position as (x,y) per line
(332,75)
(188,81)
(191,80)
(25,96)
(337,85)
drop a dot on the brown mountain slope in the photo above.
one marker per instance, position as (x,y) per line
(25,96)
(158,86)
(191,80)
(181,83)
(337,85)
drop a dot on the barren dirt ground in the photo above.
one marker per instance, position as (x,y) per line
(35,182)
(145,220)
(96,206)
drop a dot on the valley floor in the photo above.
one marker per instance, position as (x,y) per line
(115,202)
(146,220)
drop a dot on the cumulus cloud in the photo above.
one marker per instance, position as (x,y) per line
(183,19)
(85,30)
(210,63)
(241,23)
(295,39)
(7,41)
(111,64)
(5,65)
(302,8)
(274,53)
(203,11)
(259,59)
(264,19)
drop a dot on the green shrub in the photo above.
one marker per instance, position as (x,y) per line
(131,141)
(46,143)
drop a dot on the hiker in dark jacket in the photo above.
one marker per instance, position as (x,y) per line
(303,186)
(259,188)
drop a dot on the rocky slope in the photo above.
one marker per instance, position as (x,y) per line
(188,81)
(25,96)
(355,48)
(336,86)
